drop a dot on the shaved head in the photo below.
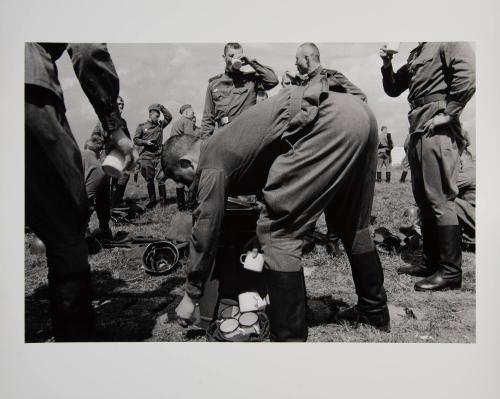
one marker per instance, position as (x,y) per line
(174,149)
(307,58)
(310,50)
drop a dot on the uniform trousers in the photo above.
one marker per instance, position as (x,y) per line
(330,166)
(151,169)
(56,210)
(383,161)
(434,162)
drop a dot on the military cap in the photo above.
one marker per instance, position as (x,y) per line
(154,107)
(184,107)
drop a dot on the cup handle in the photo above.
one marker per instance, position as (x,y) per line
(242,261)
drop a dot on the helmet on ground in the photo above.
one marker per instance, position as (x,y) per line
(160,257)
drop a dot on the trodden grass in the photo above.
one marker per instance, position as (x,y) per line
(131,305)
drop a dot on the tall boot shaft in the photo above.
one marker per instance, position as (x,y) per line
(368,279)
(70,293)
(372,300)
(430,253)
(403,176)
(163,194)
(388,177)
(379,176)
(287,309)
(181,199)
(152,194)
(430,248)
(117,198)
(449,263)
(151,190)
(450,251)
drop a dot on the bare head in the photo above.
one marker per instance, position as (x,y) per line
(187,111)
(383,129)
(307,58)
(180,157)
(120,103)
(94,144)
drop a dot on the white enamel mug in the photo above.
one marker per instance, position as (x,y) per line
(250,263)
(251,302)
(113,164)
(392,47)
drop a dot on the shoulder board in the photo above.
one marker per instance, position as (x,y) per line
(215,77)
(328,71)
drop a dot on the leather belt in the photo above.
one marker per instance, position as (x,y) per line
(418,102)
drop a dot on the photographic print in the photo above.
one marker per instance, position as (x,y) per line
(250,192)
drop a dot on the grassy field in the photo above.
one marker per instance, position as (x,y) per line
(133,306)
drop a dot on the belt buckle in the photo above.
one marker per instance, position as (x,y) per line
(224,120)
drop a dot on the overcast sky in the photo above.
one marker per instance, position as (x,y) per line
(175,74)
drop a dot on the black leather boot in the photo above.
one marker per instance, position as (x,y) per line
(372,299)
(163,194)
(152,194)
(430,253)
(117,198)
(379,177)
(287,308)
(449,268)
(388,177)
(70,294)
(403,176)
(181,199)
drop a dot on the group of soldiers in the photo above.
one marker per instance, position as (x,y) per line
(312,148)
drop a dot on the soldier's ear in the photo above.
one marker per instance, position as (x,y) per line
(186,163)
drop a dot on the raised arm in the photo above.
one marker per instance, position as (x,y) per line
(265,75)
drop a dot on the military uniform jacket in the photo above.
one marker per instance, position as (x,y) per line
(385,144)
(98,78)
(182,126)
(336,80)
(231,93)
(233,162)
(151,131)
(446,71)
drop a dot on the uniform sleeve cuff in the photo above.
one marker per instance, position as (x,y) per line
(454,108)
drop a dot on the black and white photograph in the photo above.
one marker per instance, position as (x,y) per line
(250,192)
(249,199)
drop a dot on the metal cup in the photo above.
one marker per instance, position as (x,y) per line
(236,64)
(113,164)
(249,322)
(391,48)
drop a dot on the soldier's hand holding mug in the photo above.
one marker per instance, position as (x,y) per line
(386,56)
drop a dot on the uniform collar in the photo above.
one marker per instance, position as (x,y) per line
(312,74)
